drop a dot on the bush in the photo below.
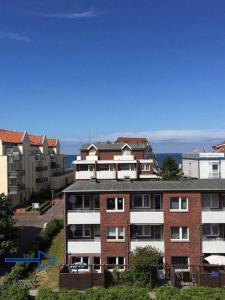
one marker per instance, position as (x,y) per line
(167,292)
(13,293)
(46,294)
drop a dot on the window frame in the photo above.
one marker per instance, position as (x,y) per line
(183,269)
(211,230)
(144,167)
(180,239)
(117,239)
(117,263)
(210,199)
(180,204)
(142,201)
(116,205)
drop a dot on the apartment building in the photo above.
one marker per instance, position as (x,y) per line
(30,164)
(106,219)
(131,158)
(203,165)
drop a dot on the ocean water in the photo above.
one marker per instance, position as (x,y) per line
(159,157)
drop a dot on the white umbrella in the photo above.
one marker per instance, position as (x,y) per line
(216,260)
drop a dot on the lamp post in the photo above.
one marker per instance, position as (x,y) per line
(52,192)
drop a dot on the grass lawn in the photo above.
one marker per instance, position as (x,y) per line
(49,277)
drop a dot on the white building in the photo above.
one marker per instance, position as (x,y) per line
(203,165)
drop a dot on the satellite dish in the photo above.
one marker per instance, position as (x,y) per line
(72,200)
(73,228)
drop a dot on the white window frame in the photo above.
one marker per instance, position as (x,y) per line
(117,262)
(211,202)
(180,209)
(180,234)
(83,230)
(117,234)
(145,168)
(82,208)
(142,200)
(116,205)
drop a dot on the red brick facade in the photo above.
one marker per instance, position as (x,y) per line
(191,219)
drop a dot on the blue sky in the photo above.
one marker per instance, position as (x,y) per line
(152,67)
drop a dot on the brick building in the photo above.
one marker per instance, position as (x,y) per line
(106,219)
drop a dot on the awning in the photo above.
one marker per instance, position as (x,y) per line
(216,260)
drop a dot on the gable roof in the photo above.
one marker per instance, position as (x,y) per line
(52,142)
(35,140)
(114,146)
(9,136)
(133,140)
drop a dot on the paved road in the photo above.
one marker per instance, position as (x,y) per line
(32,225)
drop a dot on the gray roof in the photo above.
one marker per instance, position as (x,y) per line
(114,146)
(135,186)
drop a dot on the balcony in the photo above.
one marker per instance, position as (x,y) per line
(14,189)
(213,215)
(92,157)
(147,216)
(106,174)
(213,245)
(128,173)
(42,180)
(16,174)
(41,168)
(124,157)
(214,175)
(87,246)
(86,217)
(85,174)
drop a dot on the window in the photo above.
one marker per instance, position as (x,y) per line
(180,262)
(210,201)
(80,231)
(126,151)
(80,201)
(178,203)
(179,234)
(96,202)
(157,201)
(96,263)
(141,201)
(105,167)
(115,233)
(80,261)
(115,261)
(85,168)
(126,167)
(210,229)
(114,204)
(97,230)
(142,230)
(215,167)
(145,167)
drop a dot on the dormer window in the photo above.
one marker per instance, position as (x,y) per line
(126,151)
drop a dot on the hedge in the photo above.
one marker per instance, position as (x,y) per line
(43,242)
(191,293)
(9,292)
(118,293)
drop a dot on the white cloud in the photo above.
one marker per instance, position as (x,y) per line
(81,15)
(14,37)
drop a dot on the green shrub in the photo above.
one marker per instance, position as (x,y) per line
(167,292)
(10,292)
(46,294)
(70,295)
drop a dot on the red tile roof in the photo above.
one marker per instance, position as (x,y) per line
(11,136)
(35,139)
(133,140)
(52,142)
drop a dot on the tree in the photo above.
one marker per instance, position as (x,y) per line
(169,169)
(8,232)
(143,267)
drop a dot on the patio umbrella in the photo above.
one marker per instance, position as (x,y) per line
(216,260)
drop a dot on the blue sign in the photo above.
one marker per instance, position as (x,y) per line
(37,260)
(214,274)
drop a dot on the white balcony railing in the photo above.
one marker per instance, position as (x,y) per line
(92,157)
(84,174)
(146,217)
(84,246)
(130,174)
(88,217)
(106,174)
(213,216)
(123,157)
(213,246)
